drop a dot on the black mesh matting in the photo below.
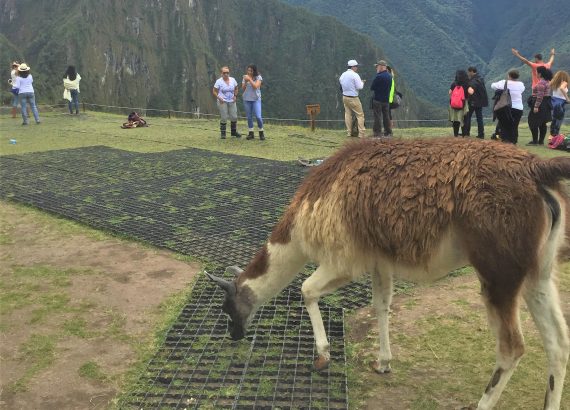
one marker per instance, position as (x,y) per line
(220,208)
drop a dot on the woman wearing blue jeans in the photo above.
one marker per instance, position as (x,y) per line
(26,93)
(71,83)
(251,86)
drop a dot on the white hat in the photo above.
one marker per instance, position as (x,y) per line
(352,63)
(24,67)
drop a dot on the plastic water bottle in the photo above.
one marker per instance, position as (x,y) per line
(319,161)
(12,141)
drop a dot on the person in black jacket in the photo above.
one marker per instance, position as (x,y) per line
(477,101)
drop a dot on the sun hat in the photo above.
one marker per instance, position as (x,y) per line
(352,63)
(23,67)
(381,62)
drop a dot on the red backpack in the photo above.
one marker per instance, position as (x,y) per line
(457,98)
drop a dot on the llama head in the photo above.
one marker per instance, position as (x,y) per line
(238,303)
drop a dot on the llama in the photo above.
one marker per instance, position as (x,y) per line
(418,210)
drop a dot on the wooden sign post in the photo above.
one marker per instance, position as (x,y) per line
(313,110)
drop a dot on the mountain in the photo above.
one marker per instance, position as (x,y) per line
(428,40)
(167,54)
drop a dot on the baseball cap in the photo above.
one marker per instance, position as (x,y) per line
(352,63)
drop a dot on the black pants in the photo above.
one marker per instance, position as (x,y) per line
(381,112)
(535,130)
(510,129)
(456,125)
(480,125)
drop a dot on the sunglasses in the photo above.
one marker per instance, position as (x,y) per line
(225,72)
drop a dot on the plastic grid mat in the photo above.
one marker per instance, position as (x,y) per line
(221,208)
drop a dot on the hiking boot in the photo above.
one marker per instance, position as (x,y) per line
(261,136)
(532,144)
(233,127)
(250,135)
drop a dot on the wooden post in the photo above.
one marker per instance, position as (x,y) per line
(168,114)
(313,110)
(83,104)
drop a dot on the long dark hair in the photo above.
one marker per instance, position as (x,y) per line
(71,73)
(461,78)
(254,69)
(545,73)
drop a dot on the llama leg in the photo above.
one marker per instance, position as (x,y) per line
(543,303)
(322,282)
(503,317)
(382,299)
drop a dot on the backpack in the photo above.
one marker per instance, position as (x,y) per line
(134,120)
(558,142)
(457,100)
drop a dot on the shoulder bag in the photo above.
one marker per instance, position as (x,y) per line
(504,100)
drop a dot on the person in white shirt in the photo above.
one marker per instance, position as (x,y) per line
(71,81)
(26,93)
(12,82)
(351,84)
(559,87)
(509,130)
(226,90)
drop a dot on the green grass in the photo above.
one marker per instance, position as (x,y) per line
(448,360)
(451,357)
(91,370)
(37,353)
(59,131)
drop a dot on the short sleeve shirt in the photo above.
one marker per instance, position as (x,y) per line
(226,90)
(533,67)
(250,93)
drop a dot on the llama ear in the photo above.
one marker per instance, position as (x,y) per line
(236,270)
(228,287)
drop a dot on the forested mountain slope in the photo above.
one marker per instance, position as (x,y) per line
(167,54)
(428,40)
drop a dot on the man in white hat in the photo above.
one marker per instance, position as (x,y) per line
(351,84)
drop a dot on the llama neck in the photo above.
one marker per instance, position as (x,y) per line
(284,262)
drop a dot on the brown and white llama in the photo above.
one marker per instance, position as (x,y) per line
(418,210)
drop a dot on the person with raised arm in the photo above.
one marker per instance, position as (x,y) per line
(538,62)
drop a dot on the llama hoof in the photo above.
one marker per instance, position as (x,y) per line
(381,367)
(321,363)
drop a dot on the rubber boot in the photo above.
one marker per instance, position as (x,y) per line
(223,130)
(250,135)
(261,135)
(14,111)
(233,127)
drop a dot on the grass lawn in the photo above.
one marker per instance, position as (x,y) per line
(441,358)
(60,131)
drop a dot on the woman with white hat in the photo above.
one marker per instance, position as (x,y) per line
(26,93)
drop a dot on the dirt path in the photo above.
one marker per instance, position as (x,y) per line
(77,307)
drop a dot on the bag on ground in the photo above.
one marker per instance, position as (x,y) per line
(134,120)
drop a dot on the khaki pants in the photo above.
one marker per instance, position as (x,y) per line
(353,105)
